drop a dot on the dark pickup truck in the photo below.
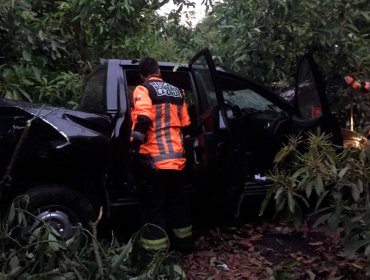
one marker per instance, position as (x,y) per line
(70,162)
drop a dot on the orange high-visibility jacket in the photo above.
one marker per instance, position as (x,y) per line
(158,115)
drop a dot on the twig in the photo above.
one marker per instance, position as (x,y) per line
(77,274)
(14,157)
(94,240)
(10,166)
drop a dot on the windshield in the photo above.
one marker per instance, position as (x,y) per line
(249,100)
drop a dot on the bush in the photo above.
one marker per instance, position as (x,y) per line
(313,171)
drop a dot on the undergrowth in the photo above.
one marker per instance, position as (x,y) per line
(332,185)
(29,252)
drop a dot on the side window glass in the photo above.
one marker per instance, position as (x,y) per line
(205,84)
(307,95)
(93,98)
(239,94)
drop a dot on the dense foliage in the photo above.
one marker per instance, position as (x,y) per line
(262,39)
(352,108)
(47,47)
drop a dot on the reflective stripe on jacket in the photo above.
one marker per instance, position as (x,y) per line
(158,115)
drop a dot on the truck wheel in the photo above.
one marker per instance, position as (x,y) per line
(61,207)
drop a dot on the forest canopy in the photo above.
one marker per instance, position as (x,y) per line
(47,47)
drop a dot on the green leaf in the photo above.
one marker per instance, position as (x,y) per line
(352,245)
(25,95)
(309,187)
(281,154)
(227,26)
(367,251)
(11,215)
(26,55)
(321,198)
(280,204)
(123,256)
(333,222)
(353,28)
(322,220)
(319,186)
(270,271)
(311,274)
(179,271)
(53,243)
(269,193)
(360,186)
(14,262)
(41,35)
(343,172)
(355,193)
(37,73)
(13,272)
(30,39)
(303,199)
(366,15)
(291,202)
(278,193)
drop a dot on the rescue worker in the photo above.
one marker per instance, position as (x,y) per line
(159,113)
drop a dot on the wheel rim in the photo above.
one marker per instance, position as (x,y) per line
(57,219)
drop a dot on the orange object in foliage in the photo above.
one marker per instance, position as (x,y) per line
(352,82)
(363,87)
(164,104)
(366,86)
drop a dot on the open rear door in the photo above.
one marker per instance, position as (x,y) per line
(311,102)
(309,93)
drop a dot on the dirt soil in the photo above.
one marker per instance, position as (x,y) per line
(271,251)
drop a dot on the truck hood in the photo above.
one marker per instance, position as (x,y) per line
(69,124)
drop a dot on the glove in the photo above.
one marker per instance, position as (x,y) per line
(134,146)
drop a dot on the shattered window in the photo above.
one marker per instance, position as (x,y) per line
(93,98)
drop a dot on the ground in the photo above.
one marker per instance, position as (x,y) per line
(259,249)
(270,251)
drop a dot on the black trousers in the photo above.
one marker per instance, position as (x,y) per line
(165,211)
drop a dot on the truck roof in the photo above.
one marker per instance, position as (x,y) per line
(134,62)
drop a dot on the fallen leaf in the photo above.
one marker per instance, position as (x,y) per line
(256,237)
(318,243)
(255,262)
(309,261)
(246,274)
(235,262)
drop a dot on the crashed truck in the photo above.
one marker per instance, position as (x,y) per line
(72,162)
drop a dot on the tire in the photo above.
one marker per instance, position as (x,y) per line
(61,207)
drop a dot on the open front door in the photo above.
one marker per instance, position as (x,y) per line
(205,76)
(213,139)
(311,101)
